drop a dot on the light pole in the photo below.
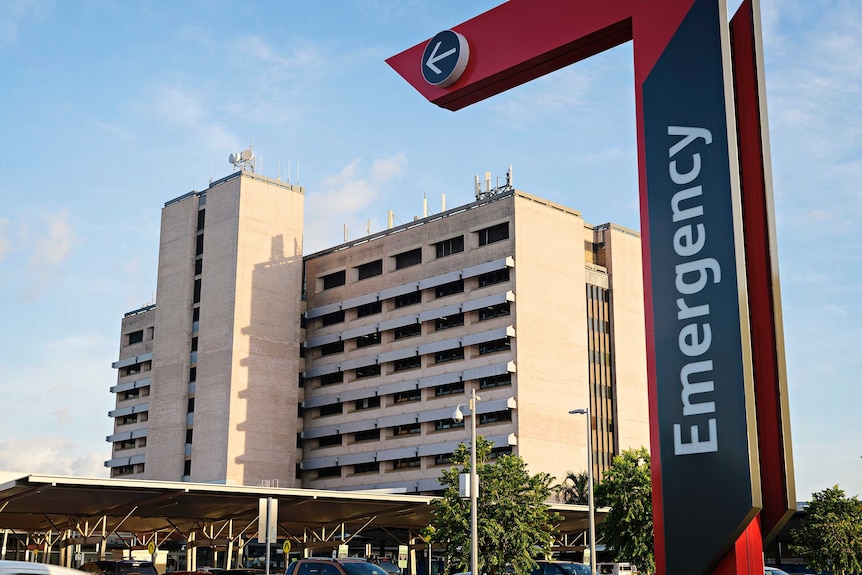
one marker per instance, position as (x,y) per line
(592,507)
(458,416)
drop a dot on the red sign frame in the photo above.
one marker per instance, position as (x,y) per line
(524,39)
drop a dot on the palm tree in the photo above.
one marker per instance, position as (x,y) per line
(574,488)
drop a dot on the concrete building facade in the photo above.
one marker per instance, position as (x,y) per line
(341,369)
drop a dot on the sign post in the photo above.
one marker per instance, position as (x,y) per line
(708,247)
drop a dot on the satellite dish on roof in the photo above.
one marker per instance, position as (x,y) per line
(243,160)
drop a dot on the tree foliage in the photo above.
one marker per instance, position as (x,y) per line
(573,489)
(627,530)
(830,536)
(514,523)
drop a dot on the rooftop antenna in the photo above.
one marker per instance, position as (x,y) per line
(243,160)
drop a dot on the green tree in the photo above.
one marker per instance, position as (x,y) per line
(574,488)
(830,536)
(627,530)
(514,522)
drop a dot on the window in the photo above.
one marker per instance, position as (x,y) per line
(332,378)
(127,419)
(199,266)
(368,339)
(495,381)
(201,219)
(493,234)
(197,291)
(412,362)
(194,344)
(368,371)
(409,298)
(449,321)
(449,389)
(406,463)
(449,355)
(408,330)
(331,409)
(193,374)
(367,403)
(299,440)
(189,435)
(407,259)
(493,311)
(367,435)
(334,280)
(334,471)
(369,308)
(370,467)
(495,417)
(329,440)
(370,269)
(123,445)
(131,394)
(330,348)
(443,459)
(494,346)
(405,396)
(199,245)
(450,246)
(409,429)
(494,277)
(187,467)
(449,288)
(332,318)
(448,423)
(190,407)
(136,337)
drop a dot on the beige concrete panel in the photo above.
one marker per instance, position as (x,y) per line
(551,343)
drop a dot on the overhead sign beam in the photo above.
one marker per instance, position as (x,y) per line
(702,240)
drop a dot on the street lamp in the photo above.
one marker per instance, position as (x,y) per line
(458,417)
(592,507)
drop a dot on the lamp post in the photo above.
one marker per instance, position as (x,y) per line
(458,416)
(592,507)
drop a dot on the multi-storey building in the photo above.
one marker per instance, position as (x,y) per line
(341,369)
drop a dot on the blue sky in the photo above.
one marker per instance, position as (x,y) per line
(110,108)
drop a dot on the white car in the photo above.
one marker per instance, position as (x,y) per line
(29,568)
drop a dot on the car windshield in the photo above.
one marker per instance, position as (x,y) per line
(362,569)
(575,568)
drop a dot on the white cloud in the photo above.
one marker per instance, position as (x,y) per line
(53,455)
(343,195)
(178,106)
(5,240)
(54,243)
(15,12)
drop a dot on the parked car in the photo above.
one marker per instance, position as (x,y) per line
(327,566)
(560,568)
(29,568)
(124,567)
(387,566)
(773,571)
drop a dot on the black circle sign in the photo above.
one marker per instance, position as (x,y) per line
(445,58)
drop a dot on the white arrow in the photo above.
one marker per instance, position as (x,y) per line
(434,58)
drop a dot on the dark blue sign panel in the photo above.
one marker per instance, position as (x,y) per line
(704,387)
(445,58)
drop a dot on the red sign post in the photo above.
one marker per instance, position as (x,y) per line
(722,480)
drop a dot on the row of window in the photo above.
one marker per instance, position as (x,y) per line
(413,257)
(402,464)
(411,395)
(415,329)
(415,297)
(415,428)
(415,362)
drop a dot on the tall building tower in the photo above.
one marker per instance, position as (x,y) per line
(513,296)
(226,352)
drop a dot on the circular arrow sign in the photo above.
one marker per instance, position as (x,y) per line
(445,58)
